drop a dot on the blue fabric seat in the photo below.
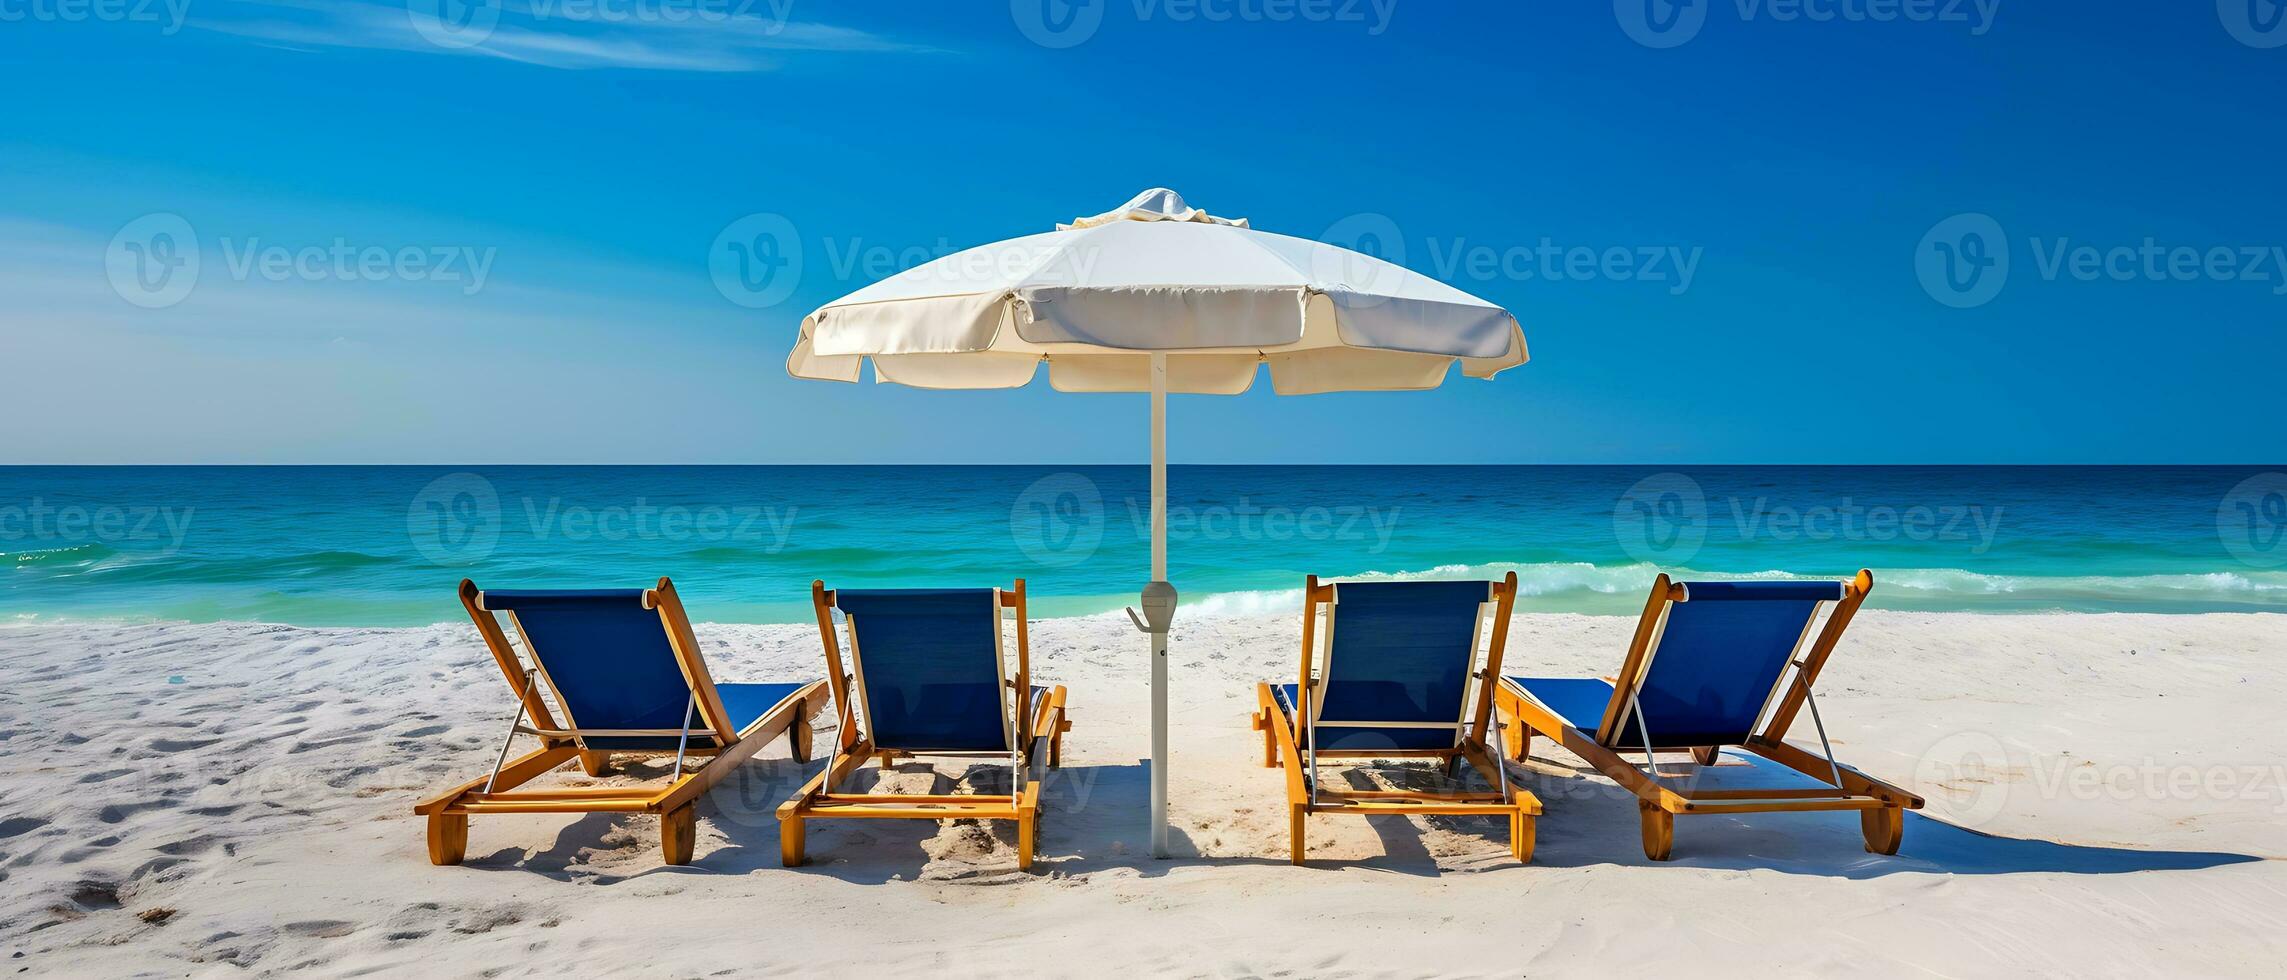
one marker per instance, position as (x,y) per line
(612,667)
(1577,701)
(1399,652)
(1719,659)
(928,668)
(1350,737)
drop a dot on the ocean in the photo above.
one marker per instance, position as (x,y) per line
(386,546)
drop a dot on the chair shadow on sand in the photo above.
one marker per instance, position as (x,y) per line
(1093,821)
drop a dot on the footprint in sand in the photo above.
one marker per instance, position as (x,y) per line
(321,928)
(181,744)
(188,846)
(116,812)
(96,896)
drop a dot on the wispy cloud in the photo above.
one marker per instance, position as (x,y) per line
(655,35)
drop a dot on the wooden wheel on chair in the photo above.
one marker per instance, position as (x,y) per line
(1884,828)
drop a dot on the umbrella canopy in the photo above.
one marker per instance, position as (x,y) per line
(1095,298)
(1158,296)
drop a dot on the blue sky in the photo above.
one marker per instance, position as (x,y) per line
(525,222)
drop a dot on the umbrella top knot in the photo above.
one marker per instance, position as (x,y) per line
(1156,204)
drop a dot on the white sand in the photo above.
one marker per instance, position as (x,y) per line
(233,799)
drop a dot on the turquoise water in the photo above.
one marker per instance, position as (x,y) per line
(386,545)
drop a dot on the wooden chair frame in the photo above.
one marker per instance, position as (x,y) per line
(818,799)
(1285,741)
(448,812)
(1881,806)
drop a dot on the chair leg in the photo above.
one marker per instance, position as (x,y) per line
(1885,829)
(448,838)
(1027,829)
(799,737)
(1524,829)
(1659,831)
(1056,744)
(595,763)
(1295,815)
(1263,723)
(1520,739)
(790,830)
(678,829)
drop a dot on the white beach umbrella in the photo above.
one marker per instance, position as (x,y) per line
(1158,297)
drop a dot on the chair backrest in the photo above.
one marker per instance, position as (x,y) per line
(1717,661)
(1396,667)
(610,656)
(928,668)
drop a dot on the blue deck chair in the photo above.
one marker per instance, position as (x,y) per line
(1713,664)
(624,675)
(1397,675)
(929,675)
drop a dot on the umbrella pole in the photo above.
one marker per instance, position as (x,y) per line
(1162,595)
